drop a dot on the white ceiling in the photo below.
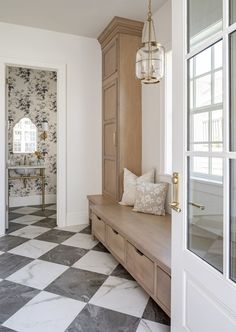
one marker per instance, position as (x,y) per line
(80,17)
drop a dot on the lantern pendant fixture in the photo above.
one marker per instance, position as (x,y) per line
(150,57)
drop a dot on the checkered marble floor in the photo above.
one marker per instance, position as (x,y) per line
(55,280)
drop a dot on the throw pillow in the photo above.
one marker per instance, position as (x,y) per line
(130,182)
(150,198)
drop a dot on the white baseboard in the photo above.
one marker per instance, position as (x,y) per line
(79,218)
(31,200)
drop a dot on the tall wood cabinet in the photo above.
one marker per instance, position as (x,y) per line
(122,118)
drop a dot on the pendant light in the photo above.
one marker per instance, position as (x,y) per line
(151,56)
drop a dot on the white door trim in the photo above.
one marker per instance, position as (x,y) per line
(61,135)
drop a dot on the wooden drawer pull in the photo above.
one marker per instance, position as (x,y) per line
(115,231)
(138,252)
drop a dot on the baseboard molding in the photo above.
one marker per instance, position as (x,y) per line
(79,218)
(31,200)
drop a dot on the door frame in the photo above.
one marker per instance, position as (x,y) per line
(61,70)
(219,286)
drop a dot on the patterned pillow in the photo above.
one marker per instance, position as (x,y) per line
(150,198)
(130,182)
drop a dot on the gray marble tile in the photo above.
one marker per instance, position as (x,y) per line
(86,230)
(97,319)
(121,272)
(9,242)
(64,255)
(14,227)
(100,247)
(77,284)
(13,297)
(13,215)
(47,222)
(55,235)
(45,213)
(154,313)
(10,263)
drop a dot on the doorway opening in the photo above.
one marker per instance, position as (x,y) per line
(31,153)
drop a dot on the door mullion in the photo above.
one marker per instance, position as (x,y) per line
(226,139)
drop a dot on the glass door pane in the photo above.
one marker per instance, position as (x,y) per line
(204,26)
(233,219)
(205,172)
(206,100)
(233,91)
(232,16)
(205,209)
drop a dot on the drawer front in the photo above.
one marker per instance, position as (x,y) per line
(98,227)
(163,288)
(141,267)
(116,243)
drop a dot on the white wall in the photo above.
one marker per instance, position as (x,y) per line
(82,56)
(153,104)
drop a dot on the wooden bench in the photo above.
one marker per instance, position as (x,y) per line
(140,242)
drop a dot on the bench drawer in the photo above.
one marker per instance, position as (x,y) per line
(98,227)
(141,267)
(163,287)
(116,243)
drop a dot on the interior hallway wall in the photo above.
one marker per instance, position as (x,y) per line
(82,56)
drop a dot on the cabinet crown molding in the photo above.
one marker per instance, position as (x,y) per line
(120,25)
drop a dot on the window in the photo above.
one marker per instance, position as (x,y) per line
(206,111)
(24,137)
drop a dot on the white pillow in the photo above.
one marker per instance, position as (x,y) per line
(150,198)
(130,182)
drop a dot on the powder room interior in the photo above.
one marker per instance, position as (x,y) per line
(32,145)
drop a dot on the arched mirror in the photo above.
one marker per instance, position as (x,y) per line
(24,136)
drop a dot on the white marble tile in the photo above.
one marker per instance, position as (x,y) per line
(74,229)
(30,232)
(26,210)
(121,295)
(33,248)
(149,326)
(27,219)
(81,241)
(38,274)
(97,261)
(46,312)
(54,216)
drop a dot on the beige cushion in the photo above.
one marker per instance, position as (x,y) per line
(150,198)
(130,182)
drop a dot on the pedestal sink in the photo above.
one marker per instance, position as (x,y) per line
(25,170)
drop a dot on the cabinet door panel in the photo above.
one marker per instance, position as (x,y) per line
(110,139)
(110,101)
(110,60)
(109,178)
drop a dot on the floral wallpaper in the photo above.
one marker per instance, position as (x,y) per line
(33,94)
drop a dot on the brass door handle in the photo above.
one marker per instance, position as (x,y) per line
(199,206)
(174,205)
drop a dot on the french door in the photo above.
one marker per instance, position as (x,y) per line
(204,155)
